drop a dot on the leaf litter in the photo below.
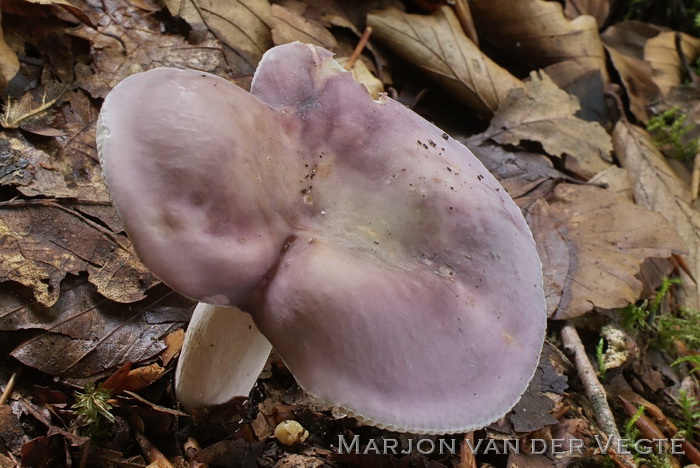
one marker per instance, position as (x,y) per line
(611,215)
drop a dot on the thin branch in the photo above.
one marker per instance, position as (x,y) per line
(595,392)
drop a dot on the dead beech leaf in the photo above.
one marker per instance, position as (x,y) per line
(625,44)
(437,44)
(656,187)
(289,26)
(538,33)
(599,9)
(87,334)
(242,26)
(592,243)
(666,67)
(9,63)
(69,7)
(128,43)
(544,113)
(41,241)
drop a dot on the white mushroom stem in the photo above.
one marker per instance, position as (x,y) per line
(221,358)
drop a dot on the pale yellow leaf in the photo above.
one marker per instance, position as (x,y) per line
(242,26)
(538,33)
(437,44)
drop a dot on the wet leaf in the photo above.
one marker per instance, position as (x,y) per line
(656,187)
(666,67)
(42,241)
(242,26)
(539,34)
(87,334)
(544,113)
(437,44)
(592,243)
(128,43)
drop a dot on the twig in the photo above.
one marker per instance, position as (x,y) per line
(464,15)
(612,91)
(695,183)
(359,48)
(9,387)
(155,457)
(595,392)
(678,39)
(466,455)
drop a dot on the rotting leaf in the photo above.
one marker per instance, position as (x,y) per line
(591,243)
(544,113)
(128,43)
(242,26)
(41,241)
(25,109)
(542,34)
(666,67)
(658,188)
(437,44)
(29,169)
(87,334)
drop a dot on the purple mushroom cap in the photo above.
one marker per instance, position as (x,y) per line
(392,272)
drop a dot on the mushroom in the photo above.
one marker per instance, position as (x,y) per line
(391,271)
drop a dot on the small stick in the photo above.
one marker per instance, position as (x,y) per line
(678,39)
(155,457)
(464,15)
(695,184)
(359,48)
(9,387)
(466,456)
(595,392)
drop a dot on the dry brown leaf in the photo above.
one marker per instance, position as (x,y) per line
(666,67)
(538,33)
(242,26)
(128,43)
(599,9)
(9,63)
(69,7)
(625,44)
(656,187)
(41,241)
(592,243)
(437,44)
(544,113)
(86,333)
(290,26)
